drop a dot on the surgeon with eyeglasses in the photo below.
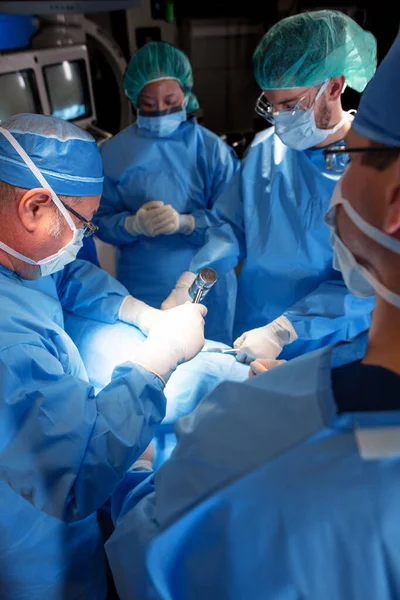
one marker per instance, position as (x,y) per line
(290,300)
(64,448)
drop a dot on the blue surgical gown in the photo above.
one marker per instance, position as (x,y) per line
(188,170)
(273,219)
(62,448)
(186,387)
(266,496)
(88,251)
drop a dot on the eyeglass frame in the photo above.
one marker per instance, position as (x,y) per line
(342,149)
(89,227)
(296,107)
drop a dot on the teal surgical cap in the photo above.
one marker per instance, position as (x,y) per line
(156,61)
(65,154)
(309,48)
(378,116)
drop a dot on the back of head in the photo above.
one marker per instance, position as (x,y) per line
(65,154)
(157,61)
(378,117)
(309,48)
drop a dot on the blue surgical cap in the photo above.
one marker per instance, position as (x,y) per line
(378,116)
(66,155)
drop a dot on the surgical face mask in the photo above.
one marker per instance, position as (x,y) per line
(298,129)
(358,279)
(65,255)
(162,125)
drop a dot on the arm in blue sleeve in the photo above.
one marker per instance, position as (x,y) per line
(328,315)
(87,291)
(62,448)
(223,164)
(225,244)
(279,412)
(111,216)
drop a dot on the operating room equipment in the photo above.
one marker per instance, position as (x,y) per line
(203,283)
(217,349)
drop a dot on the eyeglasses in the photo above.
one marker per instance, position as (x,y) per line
(337,158)
(267,111)
(89,228)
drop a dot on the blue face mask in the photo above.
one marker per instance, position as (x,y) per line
(298,130)
(162,125)
(358,279)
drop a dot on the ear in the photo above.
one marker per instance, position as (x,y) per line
(335,87)
(33,206)
(391,222)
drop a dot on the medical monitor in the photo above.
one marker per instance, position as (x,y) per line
(68,90)
(19,93)
(54,81)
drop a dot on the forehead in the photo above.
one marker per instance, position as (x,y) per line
(285,95)
(161,88)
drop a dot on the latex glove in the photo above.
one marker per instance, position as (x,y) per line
(262,365)
(135,312)
(180,293)
(156,218)
(174,222)
(177,337)
(148,220)
(265,342)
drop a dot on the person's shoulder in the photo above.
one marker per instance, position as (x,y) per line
(119,139)
(265,137)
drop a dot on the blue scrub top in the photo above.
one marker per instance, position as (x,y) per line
(267,495)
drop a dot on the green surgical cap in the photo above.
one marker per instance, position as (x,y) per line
(306,49)
(156,61)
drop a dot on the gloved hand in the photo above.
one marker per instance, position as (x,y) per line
(155,218)
(174,222)
(262,365)
(265,342)
(176,338)
(135,312)
(179,294)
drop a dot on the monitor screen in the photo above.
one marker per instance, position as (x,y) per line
(68,90)
(18,94)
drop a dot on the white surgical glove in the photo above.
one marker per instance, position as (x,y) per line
(156,218)
(265,342)
(174,222)
(180,293)
(135,312)
(261,365)
(177,337)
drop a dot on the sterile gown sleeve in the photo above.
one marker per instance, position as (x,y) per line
(222,164)
(327,315)
(112,214)
(62,448)
(224,243)
(88,291)
(235,430)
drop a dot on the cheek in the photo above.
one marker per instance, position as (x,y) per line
(362,188)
